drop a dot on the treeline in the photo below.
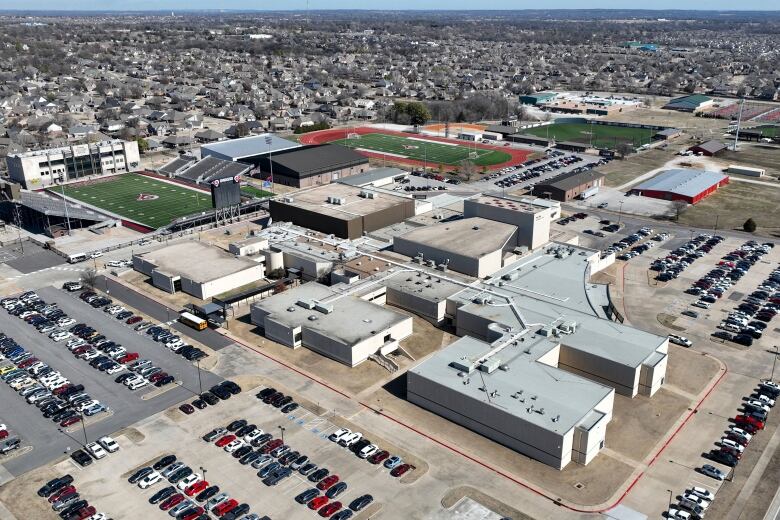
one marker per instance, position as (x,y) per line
(479,107)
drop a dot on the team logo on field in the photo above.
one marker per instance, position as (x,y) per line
(147,196)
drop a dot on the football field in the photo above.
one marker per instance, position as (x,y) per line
(601,136)
(142,199)
(421,149)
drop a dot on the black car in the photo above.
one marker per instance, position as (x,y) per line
(161,495)
(307,495)
(265,392)
(81,457)
(54,484)
(138,475)
(319,475)
(210,398)
(336,490)
(164,381)
(240,452)
(743,339)
(236,425)
(361,502)
(231,387)
(73,508)
(724,458)
(282,402)
(289,407)
(123,377)
(220,392)
(237,512)
(164,462)
(245,430)
(207,493)
(722,334)
(200,404)
(262,439)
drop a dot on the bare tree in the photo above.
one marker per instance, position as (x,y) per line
(89,278)
(679,207)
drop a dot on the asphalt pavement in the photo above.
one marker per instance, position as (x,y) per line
(161,313)
(126,407)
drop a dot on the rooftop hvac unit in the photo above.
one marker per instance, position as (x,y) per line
(442,267)
(289,200)
(367,194)
(431,263)
(490,365)
(313,318)
(512,275)
(568,327)
(306,304)
(324,309)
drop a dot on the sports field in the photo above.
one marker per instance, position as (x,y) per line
(421,149)
(603,136)
(142,199)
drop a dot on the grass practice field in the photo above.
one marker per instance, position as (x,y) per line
(253,191)
(142,199)
(422,149)
(604,136)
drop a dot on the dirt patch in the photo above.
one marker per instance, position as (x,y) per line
(20,498)
(668,320)
(639,423)
(132,435)
(680,375)
(454,495)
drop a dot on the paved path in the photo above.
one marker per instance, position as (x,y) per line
(160,312)
(773,513)
(751,181)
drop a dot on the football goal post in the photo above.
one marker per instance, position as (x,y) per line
(353,135)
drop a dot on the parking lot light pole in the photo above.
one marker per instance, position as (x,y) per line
(282,429)
(774,362)
(84,428)
(203,472)
(200,385)
(671,493)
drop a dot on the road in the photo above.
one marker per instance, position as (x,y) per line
(160,312)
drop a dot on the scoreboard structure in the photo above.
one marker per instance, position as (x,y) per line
(226,197)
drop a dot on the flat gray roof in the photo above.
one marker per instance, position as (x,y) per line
(249,146)
(316,200)
(682,181)
(546,396)
(472,237)
(196,261)
(376,174)
(351,321)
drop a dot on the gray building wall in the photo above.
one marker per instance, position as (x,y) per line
(624,379)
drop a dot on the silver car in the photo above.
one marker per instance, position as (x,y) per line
(215,501)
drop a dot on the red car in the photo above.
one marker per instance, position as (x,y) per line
(327,482)
(187,408)
(133,319)
(173,501)
(272,445)
(225,507)
(731,451)
(328,509)
(378,457)
(61,493)
(80,350)
(70,420)
(59,390)
(195,514)
(746,419)
(156,377)
(3,434)
(127,358)
(224,441)
(196,488)
(401,470)
(27,362)
(318,502)
(85,512)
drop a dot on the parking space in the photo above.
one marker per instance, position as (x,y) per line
(126,407)
(33,258)
(175,433)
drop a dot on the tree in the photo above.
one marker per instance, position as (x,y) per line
(242,130)
(624,149)
(89,278)
(679,206)
(143,145)
(749,225)
(418,113)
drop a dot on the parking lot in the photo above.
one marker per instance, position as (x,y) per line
(175,433)
(126,407)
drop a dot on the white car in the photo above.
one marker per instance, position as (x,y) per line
(758,404)
(115,263)
(678,514)
(109,444)
(115,369)
(249,437)
(732,444)
(680,340)
(702,304)
(98,516)
(339,434)
(188,481)
(96,254)
(703,493)
(368,451)
(350,439)
(96,450)
(149,480)
(766,400)
(696,499)
(135,385)
(65,321)
(234,445)
(741,433)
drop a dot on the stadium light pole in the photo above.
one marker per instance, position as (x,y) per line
(268,141)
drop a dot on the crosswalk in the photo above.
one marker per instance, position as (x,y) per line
(54,268)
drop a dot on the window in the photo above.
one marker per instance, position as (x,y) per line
(388,337)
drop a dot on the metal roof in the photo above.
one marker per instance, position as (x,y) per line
(248,146)
(177,165)
(569,180)
(682,181)
(377,174)
(710,146)
(692,102)
(211,168)
(48,205)
(316,159)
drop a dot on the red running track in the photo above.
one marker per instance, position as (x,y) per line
(334,134)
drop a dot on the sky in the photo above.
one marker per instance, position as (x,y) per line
(124,5)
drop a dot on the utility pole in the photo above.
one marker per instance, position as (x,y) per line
(739,123)
(65,201)
(715,229)
(774,362)
(268,141)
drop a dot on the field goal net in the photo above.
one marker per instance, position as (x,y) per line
(353,135)
(473,155)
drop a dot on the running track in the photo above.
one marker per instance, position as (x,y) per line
(334,134)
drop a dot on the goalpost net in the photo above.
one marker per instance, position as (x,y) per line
(473,155)
(353,135)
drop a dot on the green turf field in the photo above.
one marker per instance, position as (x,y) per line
(122,195)
(431,151)
(604,136)
(253,191)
